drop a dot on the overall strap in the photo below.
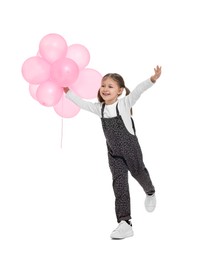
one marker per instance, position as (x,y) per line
(102,110)
(133,125)
(117,111)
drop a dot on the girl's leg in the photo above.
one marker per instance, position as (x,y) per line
(121,187)
(134,160)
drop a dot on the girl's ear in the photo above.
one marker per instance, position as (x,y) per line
(120,91)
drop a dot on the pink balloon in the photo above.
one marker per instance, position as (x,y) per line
(53,47)
(87,84)
(64,72)
(79,54)
(66,108)
(49,93)
(36,70)
(33,90)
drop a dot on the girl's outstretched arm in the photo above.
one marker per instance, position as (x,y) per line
(83,104)
(131,99)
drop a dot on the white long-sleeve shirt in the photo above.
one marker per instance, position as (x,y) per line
(124,104)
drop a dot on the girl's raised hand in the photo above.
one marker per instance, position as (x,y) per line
(157,74)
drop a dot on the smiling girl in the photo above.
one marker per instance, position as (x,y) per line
(124,152)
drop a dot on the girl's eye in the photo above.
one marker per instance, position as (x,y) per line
(110,86)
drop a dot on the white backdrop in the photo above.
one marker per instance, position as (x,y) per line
(58,203)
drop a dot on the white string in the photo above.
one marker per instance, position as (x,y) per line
(61,126)
(61,132)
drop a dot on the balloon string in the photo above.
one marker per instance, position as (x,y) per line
(61,133)
(61,126)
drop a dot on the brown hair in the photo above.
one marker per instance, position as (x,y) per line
(118,78)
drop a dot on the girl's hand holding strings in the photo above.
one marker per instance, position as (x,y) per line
(66,89)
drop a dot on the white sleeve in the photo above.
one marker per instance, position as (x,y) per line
(131,99)
(83,104)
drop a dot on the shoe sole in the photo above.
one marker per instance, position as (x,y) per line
(119,238)
(150,209)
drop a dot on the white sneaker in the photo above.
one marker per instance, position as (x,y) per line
(150,203)
(122,231)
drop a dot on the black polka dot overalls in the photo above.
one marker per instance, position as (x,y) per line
(124,154)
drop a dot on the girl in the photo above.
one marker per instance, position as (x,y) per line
(124,152)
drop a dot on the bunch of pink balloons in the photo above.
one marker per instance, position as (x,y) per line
(58,65)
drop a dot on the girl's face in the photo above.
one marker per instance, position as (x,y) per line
(110,91)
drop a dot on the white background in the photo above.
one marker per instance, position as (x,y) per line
(57,202)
